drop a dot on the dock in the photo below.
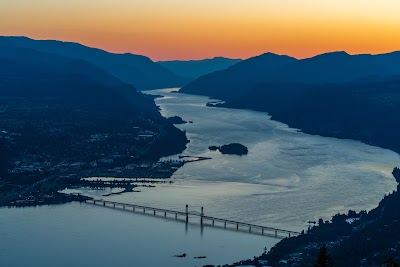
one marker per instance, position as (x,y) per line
(200,216)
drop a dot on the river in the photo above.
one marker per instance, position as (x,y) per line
(84,235)
(287,179)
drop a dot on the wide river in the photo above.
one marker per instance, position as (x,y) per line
(287,179)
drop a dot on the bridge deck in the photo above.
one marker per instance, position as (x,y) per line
(251,228)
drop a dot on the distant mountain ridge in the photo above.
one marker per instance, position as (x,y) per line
(136,70)
(31,74)
(338,67)
(335,67)
(193,69)
(230,83)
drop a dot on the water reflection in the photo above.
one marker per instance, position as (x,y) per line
(87,235)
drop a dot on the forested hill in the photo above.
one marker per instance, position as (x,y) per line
(363,110)
(336,67)
(234,81)
(132,69)
(40,76)
(60,110)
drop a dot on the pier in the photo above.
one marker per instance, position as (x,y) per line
(202,219)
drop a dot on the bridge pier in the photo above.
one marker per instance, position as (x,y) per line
(123,206)
(104,204)
(187,213)
(276,233)
(165,214)
(213,222)
(202,214)
(144,210)
(225,224)
(133,209)
(262,231)
(114,205)
(94,202)
(237,226)
(249,228)
(176,216)
(154,212)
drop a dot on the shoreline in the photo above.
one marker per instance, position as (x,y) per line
(299,129)
(216,103)
(130,179)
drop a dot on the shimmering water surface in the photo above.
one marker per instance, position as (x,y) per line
(88,236)
(287,179)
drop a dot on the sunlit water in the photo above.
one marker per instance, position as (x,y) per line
(287,179)
(88,236)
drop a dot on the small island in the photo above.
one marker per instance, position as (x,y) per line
(176,120)
(231,149)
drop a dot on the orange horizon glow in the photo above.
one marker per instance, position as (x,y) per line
(197,29)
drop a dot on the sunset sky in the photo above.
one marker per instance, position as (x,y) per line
(194,29)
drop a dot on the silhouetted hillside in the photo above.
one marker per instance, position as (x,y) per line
(136,70)
(193,69)
(36,75)
(235,80)
(57,109)
(366,111)
(336,67)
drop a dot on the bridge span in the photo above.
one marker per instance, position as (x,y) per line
(204,220)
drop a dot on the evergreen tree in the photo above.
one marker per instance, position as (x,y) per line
(323,258)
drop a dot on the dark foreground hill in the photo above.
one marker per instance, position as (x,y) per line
(193,69)
(56,111)
(136,70)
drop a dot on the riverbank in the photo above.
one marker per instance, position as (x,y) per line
(367,111)
(372,238)
(45,191)
(49,198)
